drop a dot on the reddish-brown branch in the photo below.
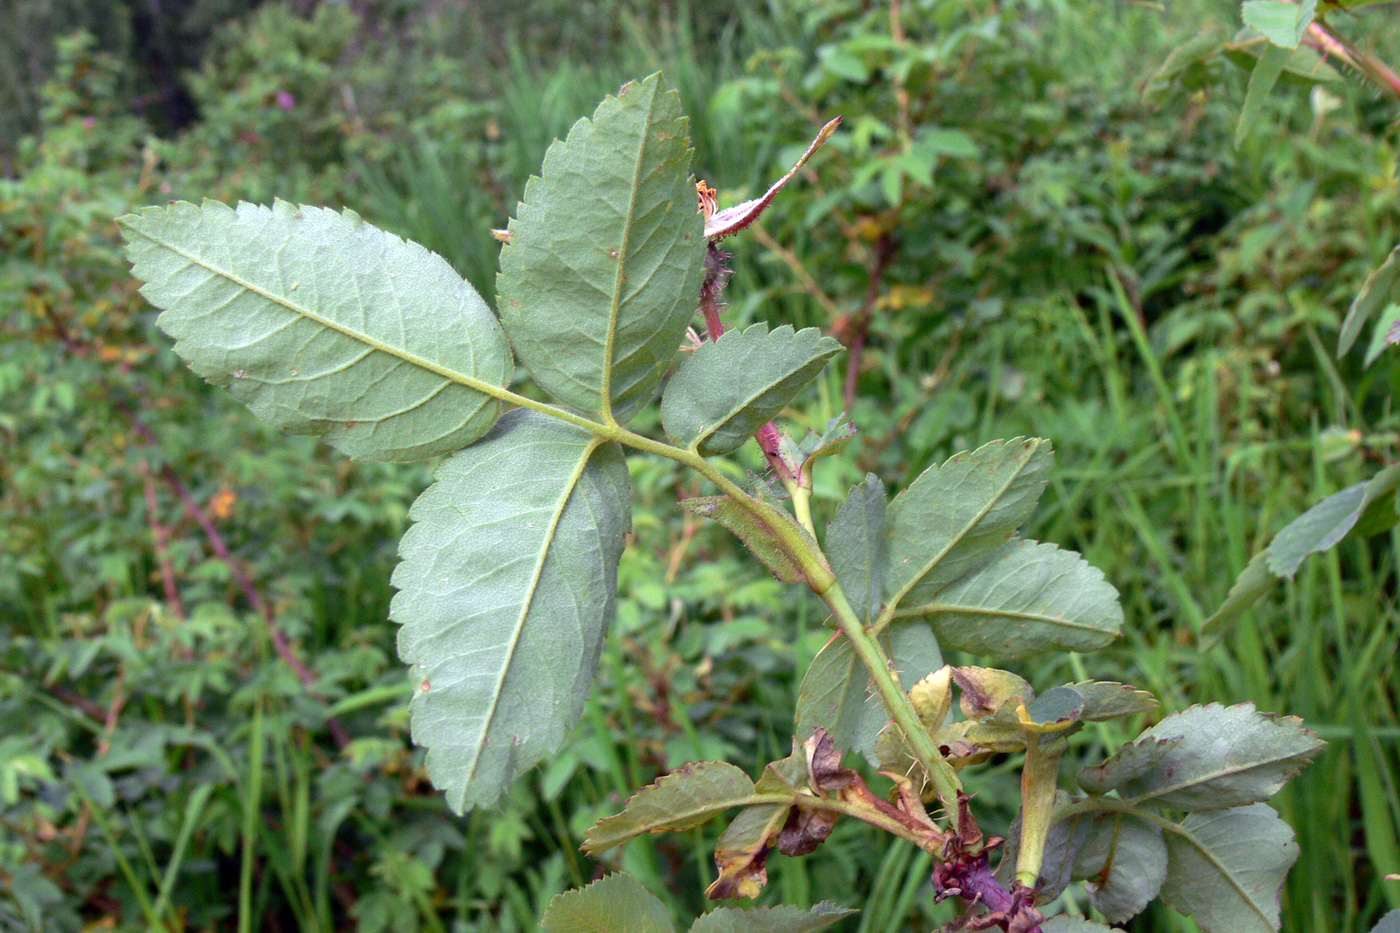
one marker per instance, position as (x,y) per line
(885,248)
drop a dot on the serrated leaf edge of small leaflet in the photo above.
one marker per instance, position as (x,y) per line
(677,820)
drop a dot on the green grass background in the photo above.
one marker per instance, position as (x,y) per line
(1107,272)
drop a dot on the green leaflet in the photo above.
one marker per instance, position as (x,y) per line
(1328,522)
(780,919)
(837,693)
(953,516)
(855,545)
(323,324)
(1028,598)
(1125,858)
(1225,868)
(731,387)
(600,277)
(1227,756)
(616,904)
(506,588)
(685,798)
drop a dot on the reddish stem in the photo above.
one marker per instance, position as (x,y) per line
(216,541)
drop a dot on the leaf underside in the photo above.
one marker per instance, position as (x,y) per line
(599,279)
(729,388)
(506,588)
(954,516)
(323,324)
(1226,867)
(614,904)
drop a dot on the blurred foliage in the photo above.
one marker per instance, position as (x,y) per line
(1010,237)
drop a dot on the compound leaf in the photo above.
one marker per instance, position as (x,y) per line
(506,588)
(615,904)
(731,387)
(782,919)
(1027,599)
(1226,868)
(855,545)
(955,515)
(685,798)
(323,324)
(1227,756)
(600,275)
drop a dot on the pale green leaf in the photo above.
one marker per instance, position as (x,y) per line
(1327,523)
(1261,81)
(1226,868)
(1228,756)
(731,387)
(782,919)
(1027,599)
(954,516)
(685,798)
(838,695)
(600,277)
(1124,861)
(1104,699)
(506,588)
(615,904)
(1281,22)
(323,324)
(1381,288)
(855,545)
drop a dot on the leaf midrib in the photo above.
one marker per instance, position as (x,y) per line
(615,310)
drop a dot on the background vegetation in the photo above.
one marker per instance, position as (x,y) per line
(1012,239)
